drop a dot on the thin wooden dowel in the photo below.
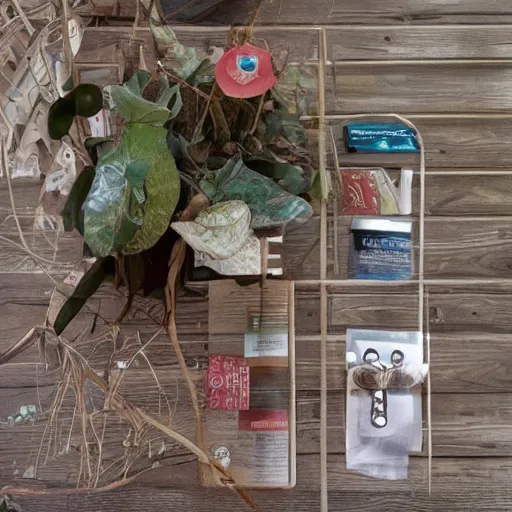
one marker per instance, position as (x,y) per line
(368,283)
(422,62)
(468,173)
(324,498)
(449,27)
(209,29)
(466,115)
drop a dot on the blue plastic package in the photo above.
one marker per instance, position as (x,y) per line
(381,249)
(380,137)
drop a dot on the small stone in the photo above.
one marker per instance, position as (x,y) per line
(24,410)
(32,410)
(18,419)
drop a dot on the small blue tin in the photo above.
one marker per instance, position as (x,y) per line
(380,137)
(381,249)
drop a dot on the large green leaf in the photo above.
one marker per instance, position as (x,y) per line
(291,177)
(113,210)
(89,283)
(72,214)
(270,205)
(127,100)
(162,183)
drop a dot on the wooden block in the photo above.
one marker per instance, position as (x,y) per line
(272,389)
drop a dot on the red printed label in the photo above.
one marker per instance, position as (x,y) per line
(360,193)
(227,383)
(263,420)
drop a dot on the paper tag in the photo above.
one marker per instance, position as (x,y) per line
(227,383)
(99,125)
(74,278)
(264,344)
(268,431)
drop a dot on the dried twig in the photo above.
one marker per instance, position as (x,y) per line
(181,82)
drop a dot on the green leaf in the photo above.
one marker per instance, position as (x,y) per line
(113,211)
(162,183)
(270,205)
(293,89)
(68,86)
(85,100)
(281,123)
(291,177)
(136,172)
(96,146)
(88,99)
(166,97)
(72,214)
(137,83)
(60,119)
(128,102)
(89,283)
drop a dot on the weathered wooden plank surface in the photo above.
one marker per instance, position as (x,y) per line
(103,44)
(449,195)
(455,248)
(476,322)
(338,12)
(417,42)
(418,88)
(449,143)
(458,485)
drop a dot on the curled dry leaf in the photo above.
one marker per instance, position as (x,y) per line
(219,231)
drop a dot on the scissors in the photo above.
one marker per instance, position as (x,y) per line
(379,410)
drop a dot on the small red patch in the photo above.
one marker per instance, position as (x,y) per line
(360,193)
(227,383)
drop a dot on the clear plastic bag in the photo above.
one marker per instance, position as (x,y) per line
(382,451)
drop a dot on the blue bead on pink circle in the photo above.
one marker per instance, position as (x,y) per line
(247,63)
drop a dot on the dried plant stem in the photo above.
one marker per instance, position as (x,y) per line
(23,17)
(68,53)
(258,113)
(177,260)
(182,82)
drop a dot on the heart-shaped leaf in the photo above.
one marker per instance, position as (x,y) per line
(270,205)
(162,184)
(291,177)
(219,231)
(127,100)
(72,214)
(113,210)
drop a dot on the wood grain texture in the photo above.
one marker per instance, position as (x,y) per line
(337,12)
(449,143)
(417,42)
(455,248)
(458,485)
(101,44)
(418,88)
